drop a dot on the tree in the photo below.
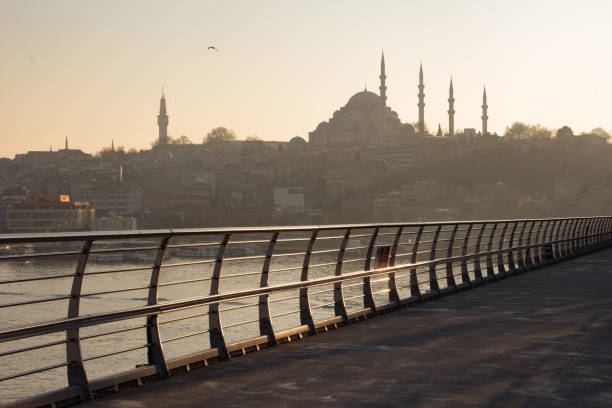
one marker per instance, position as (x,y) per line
(182,140)
(600,132)
(565,132)
(219,134)
(519,130)
(540,132)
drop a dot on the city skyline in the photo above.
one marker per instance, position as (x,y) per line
(79,69)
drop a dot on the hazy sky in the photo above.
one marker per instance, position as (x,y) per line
(93,70)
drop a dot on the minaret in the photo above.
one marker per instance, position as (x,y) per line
(112,145)
(451,110)
(383,77)
(421,103)
(66,143)
(162,121)
(484,116)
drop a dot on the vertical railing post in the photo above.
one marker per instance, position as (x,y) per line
(368,298)
(529,251)
(580,235)
(75,369)
(537,256)
(450,276)
(544,260)
(573,247)
(155,351)
(415,291)
(393,295)
(551,240)
(519,253)
(465,276)
(477,269)
(595,232)
(265,320)
(584,235)
(217,338)
(305,311)
(339,305)
(600,232)
(490,271)
(511,263)
(588,231)
(500,255)
(433,276)
(568,238)
(576,234)
(561,238)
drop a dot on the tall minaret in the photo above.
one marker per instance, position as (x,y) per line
(66,143)
(484,116)
(162,121)
(421,103)
(451,110)
(383,87)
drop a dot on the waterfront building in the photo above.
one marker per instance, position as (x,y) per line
(289,199)
(50,213)
(115,223)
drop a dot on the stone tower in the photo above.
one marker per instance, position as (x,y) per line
(451,110)
(484,116)
(162,121)
(383,77)
(421,103)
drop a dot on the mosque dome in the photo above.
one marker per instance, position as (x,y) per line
(364,100)
(297,144)
(297,141)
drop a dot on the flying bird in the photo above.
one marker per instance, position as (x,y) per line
(213,48)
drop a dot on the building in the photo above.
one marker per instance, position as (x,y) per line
(289,199)
(115,223)
(50,213)
(364,120)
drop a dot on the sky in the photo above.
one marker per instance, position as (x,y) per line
(93,70)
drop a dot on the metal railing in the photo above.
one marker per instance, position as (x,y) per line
(212,294)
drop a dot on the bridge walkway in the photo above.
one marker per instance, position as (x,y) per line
(541,338)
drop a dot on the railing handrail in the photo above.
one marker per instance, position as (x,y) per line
(175,232)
